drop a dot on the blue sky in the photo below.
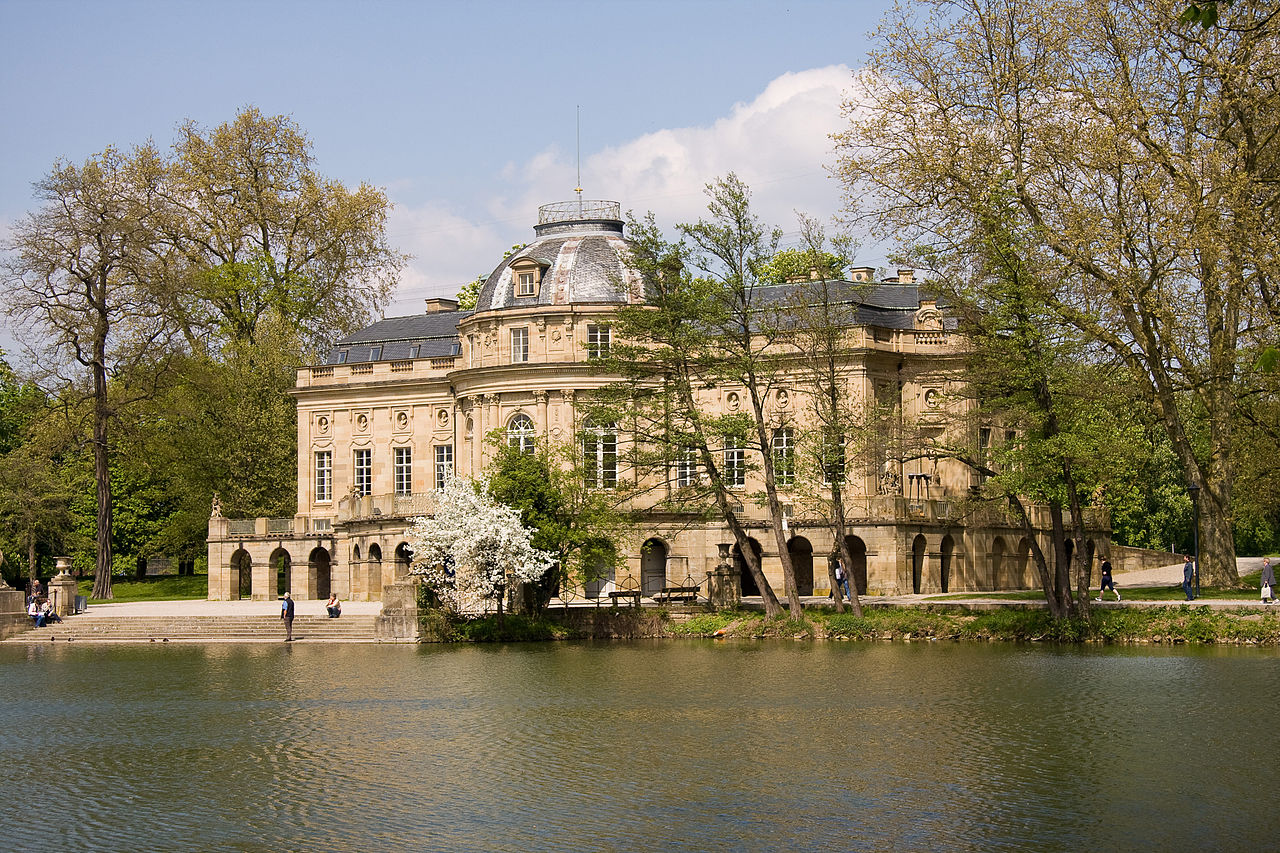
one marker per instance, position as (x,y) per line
(463,112)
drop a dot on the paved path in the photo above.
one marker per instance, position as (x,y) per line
(200,607)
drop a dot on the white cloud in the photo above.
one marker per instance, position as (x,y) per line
(778,143)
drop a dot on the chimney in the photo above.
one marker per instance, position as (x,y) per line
(905,276)
(440,305)
(862,273)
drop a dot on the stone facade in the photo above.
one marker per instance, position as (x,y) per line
(408,398)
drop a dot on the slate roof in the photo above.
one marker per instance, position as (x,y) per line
(433,335)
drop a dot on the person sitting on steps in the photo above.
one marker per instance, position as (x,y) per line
(333,606)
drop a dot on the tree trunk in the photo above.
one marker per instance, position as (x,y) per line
(1217,538)
(33,569)
(842,542)
(102,476)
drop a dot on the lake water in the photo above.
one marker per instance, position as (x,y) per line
(685,745)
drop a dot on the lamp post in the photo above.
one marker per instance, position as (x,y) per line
(1194,491)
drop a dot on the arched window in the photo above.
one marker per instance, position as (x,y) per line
(784,456)
(520,433)
(600,456)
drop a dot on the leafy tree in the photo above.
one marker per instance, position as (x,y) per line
(805,264)
(579,525)
(816,318)
(469,295)
(473,547)
(259,233)
(1139,155)
(81,285)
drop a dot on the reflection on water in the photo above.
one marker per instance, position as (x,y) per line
(670,745)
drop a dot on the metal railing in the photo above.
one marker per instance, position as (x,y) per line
(578,210)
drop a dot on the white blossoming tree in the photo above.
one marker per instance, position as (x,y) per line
(473,547)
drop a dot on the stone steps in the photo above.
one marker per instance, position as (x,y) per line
(97,629)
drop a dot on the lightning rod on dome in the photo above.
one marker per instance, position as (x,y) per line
(578,189)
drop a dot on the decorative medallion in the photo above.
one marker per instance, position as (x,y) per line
(783,398)
(442,417)
(402,421)
(931,398)
(322,424)
(362,422)
(733,401)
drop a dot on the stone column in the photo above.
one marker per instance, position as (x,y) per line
(477,433)
(540,399)
(568,412)
(491,421)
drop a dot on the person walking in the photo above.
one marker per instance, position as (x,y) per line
(1107,582)
(842,578)
(1268,582)
(286,613)
(1188,575)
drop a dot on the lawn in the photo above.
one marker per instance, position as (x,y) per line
(1250,592)
(160,588)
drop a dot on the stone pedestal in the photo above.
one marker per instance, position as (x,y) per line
(62,591)
(399,617)
(723,588)
(13,611)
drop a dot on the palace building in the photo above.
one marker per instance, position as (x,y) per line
(407,400)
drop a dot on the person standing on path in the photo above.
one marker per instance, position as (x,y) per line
(1188,575)
(842,578)
(286,613)
(1107,582)
(1268,582)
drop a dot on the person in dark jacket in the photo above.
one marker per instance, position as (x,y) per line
(286,613)
(1107,582)
(1268,582)
(1188,576)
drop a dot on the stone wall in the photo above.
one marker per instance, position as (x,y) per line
(1126,559)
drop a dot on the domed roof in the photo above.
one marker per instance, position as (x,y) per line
(579,255)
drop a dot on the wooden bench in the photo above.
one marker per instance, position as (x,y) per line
(685,594)
(632,594)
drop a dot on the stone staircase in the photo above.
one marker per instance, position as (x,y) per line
(352,628)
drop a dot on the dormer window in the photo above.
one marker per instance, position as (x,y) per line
(375,353)
(526,275)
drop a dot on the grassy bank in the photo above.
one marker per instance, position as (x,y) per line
(159,588)
(1187,624)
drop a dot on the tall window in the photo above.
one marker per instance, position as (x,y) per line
(324,476)
(524,284)
(600,456)
(687,466)
(735,462)
(598,340)
(984,450)
(364,471)
(404,470)
(520,345)
(784,456)
(444,463)
(520,433)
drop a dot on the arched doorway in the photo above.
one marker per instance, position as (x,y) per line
(997,562)
(241,575)
(376,580)
(948,550)
(318,566)
(749,586)
(917,563)
(653,566)
(403,558)
(280,564)
(801,551)
(1021,564)
(858,571)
